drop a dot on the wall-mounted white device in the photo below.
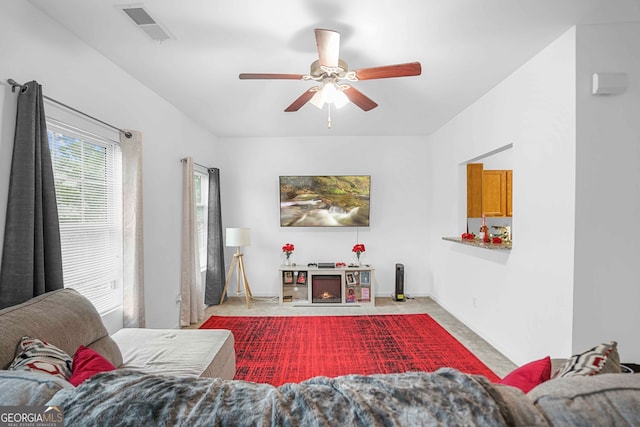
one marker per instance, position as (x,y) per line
(609,83)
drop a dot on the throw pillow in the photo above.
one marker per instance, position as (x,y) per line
(29,388)
(40,356)
(530,375)
(601,359)
(86,363)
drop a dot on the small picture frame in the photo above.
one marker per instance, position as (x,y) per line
(302,278)
(351,279)
(365,278)
(351,295)
(364,294)
(287,277)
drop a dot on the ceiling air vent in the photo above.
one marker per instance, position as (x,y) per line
(143,20)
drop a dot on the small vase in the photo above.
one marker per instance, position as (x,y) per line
(287,262)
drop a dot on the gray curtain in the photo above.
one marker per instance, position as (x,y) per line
(31,255)
(214,284)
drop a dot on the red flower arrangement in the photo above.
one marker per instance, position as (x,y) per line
(288,249)
(358,248)
(495,240)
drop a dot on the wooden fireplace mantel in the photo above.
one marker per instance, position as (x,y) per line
(356,285)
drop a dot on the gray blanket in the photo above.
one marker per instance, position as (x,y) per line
(446,397)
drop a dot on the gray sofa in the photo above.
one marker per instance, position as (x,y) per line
(68,320)
(132,395)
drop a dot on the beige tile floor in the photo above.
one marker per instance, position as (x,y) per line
(236,306)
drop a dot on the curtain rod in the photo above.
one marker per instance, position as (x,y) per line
(128,134)
(197,164)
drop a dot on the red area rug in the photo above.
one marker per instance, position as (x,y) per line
(282,349)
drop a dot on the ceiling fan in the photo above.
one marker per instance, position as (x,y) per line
(330,72)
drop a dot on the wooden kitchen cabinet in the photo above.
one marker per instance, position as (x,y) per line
(474,190)
(488,191)
(494,192)
(509,193)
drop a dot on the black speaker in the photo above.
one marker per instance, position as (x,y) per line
(399,293)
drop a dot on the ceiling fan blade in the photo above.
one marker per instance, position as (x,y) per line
(359,98)
(302,99)
(397,70)
(328,42)
(265,76)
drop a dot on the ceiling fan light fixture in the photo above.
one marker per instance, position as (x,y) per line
(317,99)
(329,92)
(341,99)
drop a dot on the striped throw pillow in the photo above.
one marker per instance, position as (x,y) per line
(39,356)
(600,359)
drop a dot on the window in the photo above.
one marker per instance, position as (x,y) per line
(87,174)
(201,183)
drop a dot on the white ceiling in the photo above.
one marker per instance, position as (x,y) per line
(465,46)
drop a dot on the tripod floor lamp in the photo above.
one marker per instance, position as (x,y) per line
(238,237)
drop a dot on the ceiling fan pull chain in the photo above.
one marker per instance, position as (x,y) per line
(329,118)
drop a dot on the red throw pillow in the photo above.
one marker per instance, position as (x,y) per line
(530,375)
(86,363)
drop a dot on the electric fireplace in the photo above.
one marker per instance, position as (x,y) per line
(326,288)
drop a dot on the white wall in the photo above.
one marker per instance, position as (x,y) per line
(501,160)
(607,251)
(250,198)
(518,300)
(32,47)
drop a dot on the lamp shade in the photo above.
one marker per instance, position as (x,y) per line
(238,237)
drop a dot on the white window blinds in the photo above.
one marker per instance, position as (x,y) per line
(88,177)
(201,181)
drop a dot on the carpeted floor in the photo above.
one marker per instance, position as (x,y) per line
(281,349)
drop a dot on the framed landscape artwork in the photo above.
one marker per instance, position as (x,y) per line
(325,201)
